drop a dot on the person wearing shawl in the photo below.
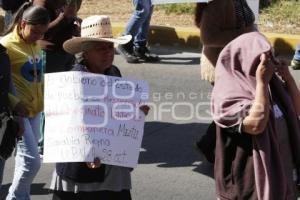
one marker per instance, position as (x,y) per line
(258,135)
(234,17)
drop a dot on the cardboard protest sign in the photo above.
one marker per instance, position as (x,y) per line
(178,1)
(90,115)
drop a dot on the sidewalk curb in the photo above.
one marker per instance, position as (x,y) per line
(190,37)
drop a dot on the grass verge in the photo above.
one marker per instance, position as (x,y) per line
(282,16)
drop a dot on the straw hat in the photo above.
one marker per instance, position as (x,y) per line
(94,29)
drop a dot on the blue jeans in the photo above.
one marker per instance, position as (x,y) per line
(2,165)
(27,160)
(8,18)
(139,23)
(297,53)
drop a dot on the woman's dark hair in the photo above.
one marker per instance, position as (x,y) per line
(31,14)
(198,13)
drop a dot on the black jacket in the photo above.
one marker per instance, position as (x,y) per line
(8,141)
(12,5)
(5,79)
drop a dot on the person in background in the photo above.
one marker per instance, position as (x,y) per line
(138,26)
(217,29)
(257,119)
(10,7)
(295,63)
(64,24)
(9,103)
(234,17)
(5,87)
(93,181)
(29,25)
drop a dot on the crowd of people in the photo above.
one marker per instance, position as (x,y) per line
(43,38)
(253,140)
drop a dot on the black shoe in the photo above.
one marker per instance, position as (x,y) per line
(144,54)
(41,149)
(126,50)
(295,64)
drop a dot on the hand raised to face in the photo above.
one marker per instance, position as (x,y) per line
(265,69)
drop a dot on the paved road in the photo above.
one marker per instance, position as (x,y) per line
(170,168)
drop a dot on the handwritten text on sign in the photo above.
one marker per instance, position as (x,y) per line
(89,115)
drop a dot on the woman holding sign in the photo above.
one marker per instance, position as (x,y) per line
(88,181)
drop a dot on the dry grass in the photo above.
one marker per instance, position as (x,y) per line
(121,10)
(282,17)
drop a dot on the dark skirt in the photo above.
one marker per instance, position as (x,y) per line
(97,195)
